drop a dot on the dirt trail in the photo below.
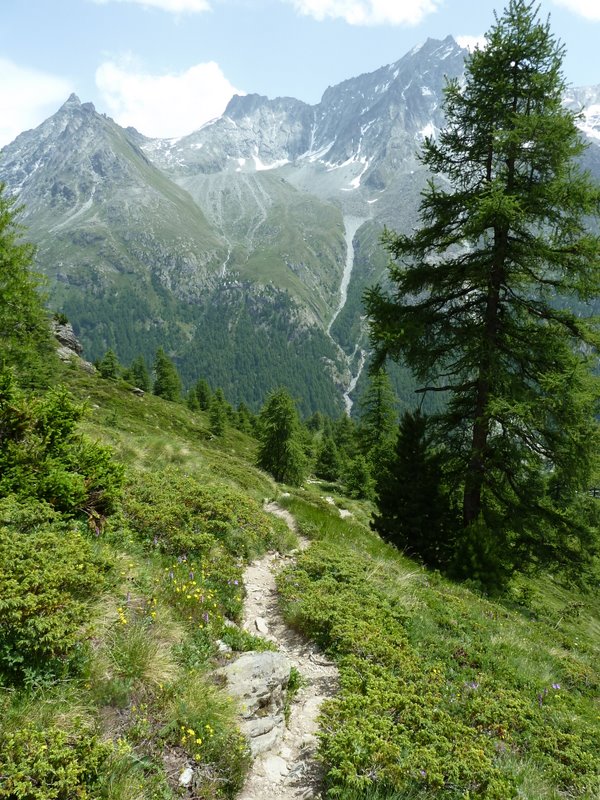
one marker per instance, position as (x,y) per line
(289,771)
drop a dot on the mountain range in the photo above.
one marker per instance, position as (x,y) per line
(242,249)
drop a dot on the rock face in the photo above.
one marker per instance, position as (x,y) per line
(258,682)
(69,344)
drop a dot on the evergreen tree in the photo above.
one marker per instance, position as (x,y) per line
(377,427)
(329,464)
(139,374)
(109,366)
(191,400)
(167,383)
(472,310)
(27,344)
(280,451)
(219,397)
(245,421)
(345,437)
(413,510)
(316,422)
(217,416)
(359,479)
(203,393)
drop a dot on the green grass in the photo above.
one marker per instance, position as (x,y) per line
(444,693)
(130,662)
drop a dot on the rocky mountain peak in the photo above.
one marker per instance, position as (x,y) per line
(71,102)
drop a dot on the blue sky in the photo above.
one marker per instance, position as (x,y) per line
(168,66)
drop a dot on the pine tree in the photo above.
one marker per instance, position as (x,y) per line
(203,393)
(167,383)
(139,374)
(245,420)
(413,509)
(329,463)
(378,421)
(280,451)
(217,415)
(27,344)
(191,401)
(359,479)
(109,366)
(473,309)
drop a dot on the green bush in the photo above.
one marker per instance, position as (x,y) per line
(442,698)
(43,456)
(179,514)
(48,576)
(51,763)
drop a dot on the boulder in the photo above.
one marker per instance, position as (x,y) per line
(257,682)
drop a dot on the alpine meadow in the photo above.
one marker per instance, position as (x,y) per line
(322,518)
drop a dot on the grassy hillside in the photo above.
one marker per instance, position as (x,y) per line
(443,693)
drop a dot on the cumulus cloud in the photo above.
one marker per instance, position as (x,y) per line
(368,12)
(163,105)
(590,9)
(172,6)
(471,42)
(27,98)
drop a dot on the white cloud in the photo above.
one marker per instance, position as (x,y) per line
(590,9)
(368,12)
(471,42)
(163,105)
(27,98)
(172,6)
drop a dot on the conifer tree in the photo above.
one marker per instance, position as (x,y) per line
(109,366)
(280,450)
(345,437)
(139,373)
(413,509)
(27,344)
(329,464)
(245,420)
(191,401)
(359,478)
(167,383)
(203,393)
(378,422)
(217,416)
(473,309)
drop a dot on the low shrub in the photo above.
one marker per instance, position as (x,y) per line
(442,693)
(52,763)
(48,577)
(179,514)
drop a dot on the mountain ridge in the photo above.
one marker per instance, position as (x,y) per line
(273,210)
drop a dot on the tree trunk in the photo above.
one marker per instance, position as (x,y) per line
(476,468)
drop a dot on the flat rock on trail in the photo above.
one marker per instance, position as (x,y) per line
(289,771)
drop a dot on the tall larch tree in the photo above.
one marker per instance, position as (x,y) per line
(473,312)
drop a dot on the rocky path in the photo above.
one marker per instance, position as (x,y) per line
(288,771)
